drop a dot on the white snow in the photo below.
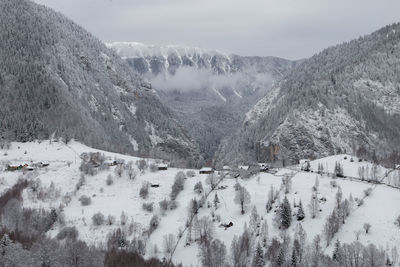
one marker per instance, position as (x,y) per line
(380,208)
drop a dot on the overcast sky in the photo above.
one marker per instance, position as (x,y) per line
(286,28)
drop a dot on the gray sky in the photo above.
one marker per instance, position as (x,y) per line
(286,28)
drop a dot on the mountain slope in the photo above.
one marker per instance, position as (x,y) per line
(342,99)
(57,79)
(209,90)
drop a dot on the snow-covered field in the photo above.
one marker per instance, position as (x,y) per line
(380,209)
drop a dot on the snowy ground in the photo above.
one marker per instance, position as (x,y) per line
(379,208)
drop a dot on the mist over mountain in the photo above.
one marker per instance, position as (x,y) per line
(209,90)
(58,80)
(345,98)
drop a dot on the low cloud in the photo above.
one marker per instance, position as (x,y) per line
(188,79)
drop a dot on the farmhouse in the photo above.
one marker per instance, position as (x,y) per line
(244,167)
(226,168)
(206,170)
(162,166)
(264,167)
(110,162)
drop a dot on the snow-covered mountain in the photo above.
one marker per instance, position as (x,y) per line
(57,79)
(346,98)
(210,90)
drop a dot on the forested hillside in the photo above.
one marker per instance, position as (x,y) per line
(56,79)
(346,98)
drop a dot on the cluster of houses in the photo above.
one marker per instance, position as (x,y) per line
(26,166)
(261,167)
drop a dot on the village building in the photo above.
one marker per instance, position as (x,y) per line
(206,170)
(162,166)
(244,167)
(264,167)
(226,168)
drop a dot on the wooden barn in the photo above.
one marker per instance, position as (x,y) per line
(206,170)
(162,166)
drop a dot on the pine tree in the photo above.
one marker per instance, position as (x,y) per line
(216,201)
(300,212)
(258,260)
(336,251)
(280,260)
(294,257)
(285,214)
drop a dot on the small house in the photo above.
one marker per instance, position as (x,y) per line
(397,166)
(206,170)
(29,168)
(45,164)
(162,166)
(226,168)
(244,167)
(110,162)
(13,167)
(264,167)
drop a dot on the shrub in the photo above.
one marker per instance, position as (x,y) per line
(85,200)
(178,185)
(154,222)
(397,222)
(163,205)
(190,173)
(110,220)
(198,188)
(333,184)
(173,204)
(69,233)
(98,219)
(368,191)
(109,180)
(142,165)
(153,167)
(81,182)
(360,202)
(123,218)
(148,206)
(87,168)
(144,190)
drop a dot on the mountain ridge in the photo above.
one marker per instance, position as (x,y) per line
(58,79)
(349,87)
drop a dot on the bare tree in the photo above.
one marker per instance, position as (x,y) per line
(212,180)
(367,227)
(168,244)
(204,229)
(242,198)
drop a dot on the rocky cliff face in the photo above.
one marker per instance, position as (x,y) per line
(209,90)
(342,99)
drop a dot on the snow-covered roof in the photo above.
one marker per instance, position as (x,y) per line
(206,169)
(162,165)
(244,167)
(226,168)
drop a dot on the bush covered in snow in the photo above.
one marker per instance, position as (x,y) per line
(98,219)
(178,185)
(148,206)
(109,180)
(154,222)
(144,190)
(85,200)
(153,167)
(190,173)
(69,233)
